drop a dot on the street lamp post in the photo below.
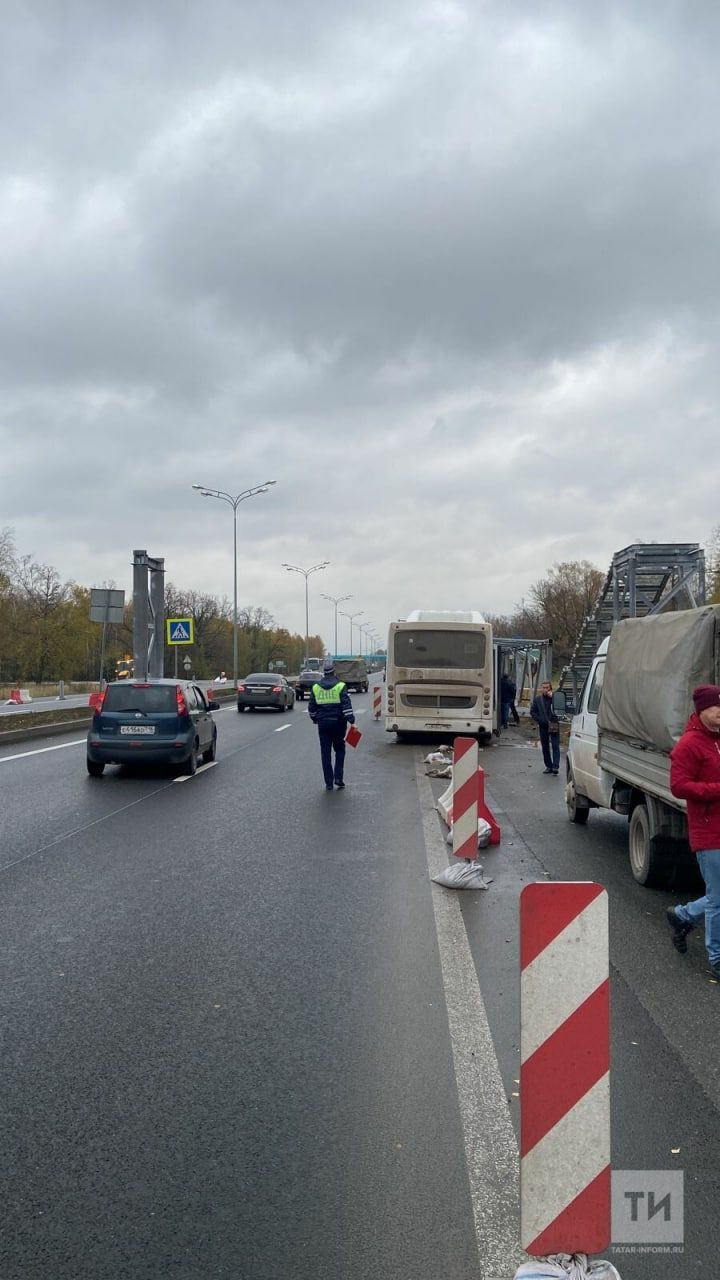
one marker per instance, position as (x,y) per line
(294,568)
(234,501)
(351,617)
(336,600)
(366,632)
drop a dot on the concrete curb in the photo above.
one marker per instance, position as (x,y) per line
(52,730)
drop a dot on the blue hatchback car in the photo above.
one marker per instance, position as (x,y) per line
(152,722)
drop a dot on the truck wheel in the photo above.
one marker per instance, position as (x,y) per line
(578,809)
(646,864)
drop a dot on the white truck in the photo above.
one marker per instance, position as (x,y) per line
(633,709)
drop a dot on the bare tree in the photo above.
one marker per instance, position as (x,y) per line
(713,566)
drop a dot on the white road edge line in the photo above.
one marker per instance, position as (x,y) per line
(185,777)
(491,1148)
(282,727)
(38,751)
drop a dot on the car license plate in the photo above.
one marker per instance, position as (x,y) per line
(136,729)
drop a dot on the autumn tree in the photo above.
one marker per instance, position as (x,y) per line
(39,619)
(562,601)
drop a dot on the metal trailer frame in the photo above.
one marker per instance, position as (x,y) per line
(643,578)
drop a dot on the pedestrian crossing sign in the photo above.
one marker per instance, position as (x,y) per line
(180,630)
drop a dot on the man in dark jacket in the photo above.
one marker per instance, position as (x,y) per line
(695,778)
(508,692)
(331,710)
(542,712)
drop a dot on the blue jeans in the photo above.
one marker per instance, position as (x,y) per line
(707,906)
(332,738)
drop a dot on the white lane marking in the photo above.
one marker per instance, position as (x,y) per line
(282,727)
(490,1147)
(185,777)
(38,751)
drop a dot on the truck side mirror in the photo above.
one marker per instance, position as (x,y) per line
(559,702)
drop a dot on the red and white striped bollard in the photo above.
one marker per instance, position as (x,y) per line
(565,1069)
(466,790)
(377,701)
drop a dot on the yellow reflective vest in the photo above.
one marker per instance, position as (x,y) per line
(325,697)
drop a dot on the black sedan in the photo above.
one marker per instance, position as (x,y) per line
(265,689)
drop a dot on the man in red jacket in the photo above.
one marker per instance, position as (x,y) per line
(695,778)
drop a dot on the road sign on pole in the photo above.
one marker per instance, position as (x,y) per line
(106,605)
(180,630)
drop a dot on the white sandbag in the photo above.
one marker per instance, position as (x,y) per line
(567,1266)
(437,757)
(438,771)
(463,875)
(484,834)
(444,805)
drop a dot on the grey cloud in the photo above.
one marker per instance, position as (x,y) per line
(434,267)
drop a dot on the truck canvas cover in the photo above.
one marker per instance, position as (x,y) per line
(351,670)
(653,665)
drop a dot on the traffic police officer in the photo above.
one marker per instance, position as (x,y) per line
(331,710)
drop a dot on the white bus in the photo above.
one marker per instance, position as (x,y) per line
(440,675)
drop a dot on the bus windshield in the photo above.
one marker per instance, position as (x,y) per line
(449,650)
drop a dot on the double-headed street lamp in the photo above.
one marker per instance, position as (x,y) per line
(206,492)
(350,617)
(294,568)
(365,629)
(336,600)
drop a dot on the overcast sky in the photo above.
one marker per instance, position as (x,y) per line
(446,271)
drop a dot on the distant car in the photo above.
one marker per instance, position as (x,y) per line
(305,681)
(265,689)
(152,722)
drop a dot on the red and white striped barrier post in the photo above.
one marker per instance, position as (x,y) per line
(565,1069)
(377,701)
(466,789)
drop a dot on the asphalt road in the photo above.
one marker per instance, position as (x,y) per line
(231,1037)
